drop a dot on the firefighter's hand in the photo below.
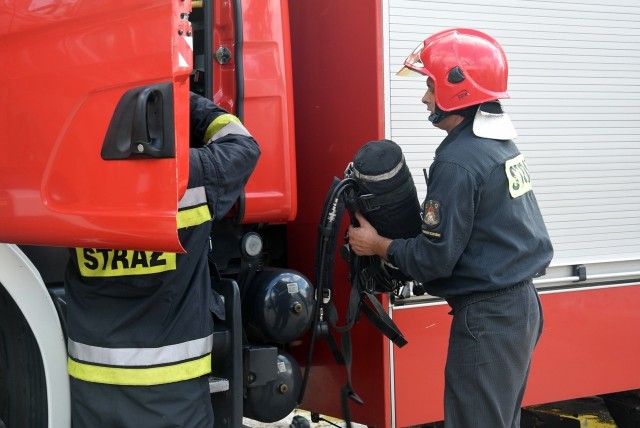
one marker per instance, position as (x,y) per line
(365,241)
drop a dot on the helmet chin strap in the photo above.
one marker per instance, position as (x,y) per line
(438,115)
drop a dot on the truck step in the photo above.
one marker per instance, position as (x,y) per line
(218,384)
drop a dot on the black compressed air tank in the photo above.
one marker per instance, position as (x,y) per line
(276,398)
(387,195)
(388,198)
(278,306)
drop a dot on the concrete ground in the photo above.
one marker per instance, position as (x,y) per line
(286,422)
(588,412)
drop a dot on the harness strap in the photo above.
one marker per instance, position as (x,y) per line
(370,202)
(381,320)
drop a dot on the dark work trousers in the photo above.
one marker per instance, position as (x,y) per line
(489,356)
(185,404)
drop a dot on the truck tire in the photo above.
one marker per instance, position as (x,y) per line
(23,394)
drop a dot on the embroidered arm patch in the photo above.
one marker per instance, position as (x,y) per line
(431,217)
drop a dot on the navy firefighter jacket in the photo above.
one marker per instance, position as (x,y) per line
(482,229)
(143,317)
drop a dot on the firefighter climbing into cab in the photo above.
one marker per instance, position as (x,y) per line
(140,323)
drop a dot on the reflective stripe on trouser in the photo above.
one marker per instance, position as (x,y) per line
(488,360)
(140,366)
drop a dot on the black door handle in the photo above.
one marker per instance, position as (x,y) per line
(142,125)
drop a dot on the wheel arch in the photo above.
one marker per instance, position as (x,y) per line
(23,282)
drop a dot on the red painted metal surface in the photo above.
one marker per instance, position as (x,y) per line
(590,345)
(83,55)
(419,365)
(56,189)
(338,90)
(224,75)
(271,194)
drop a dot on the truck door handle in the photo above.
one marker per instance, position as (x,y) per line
(142,125)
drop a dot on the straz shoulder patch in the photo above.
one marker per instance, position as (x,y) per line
(518,176)
(431,217)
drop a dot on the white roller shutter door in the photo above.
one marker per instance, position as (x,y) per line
(574,80)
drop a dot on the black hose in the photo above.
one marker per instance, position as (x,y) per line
(332,212)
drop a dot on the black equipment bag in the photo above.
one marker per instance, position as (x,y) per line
(377,183)
(388,199)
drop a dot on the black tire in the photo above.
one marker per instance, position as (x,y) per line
(23,395)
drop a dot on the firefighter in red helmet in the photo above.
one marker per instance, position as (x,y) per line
(483,236)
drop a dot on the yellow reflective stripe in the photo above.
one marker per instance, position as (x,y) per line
(193,216)
(140,376)
(94,262)
(229,128)
(219,123)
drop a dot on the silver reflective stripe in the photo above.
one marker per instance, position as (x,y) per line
(193,197)
(381,177)
(141,356)
(229,128)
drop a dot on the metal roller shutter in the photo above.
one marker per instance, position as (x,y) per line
(574,80)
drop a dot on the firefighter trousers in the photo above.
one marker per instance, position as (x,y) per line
(490,348)
(185,404)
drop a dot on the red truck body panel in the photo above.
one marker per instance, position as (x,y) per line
(57,189)
(582,351)
(337,64)
(272,196)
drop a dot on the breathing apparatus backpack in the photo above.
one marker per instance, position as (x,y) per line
(377,183)
(386,196)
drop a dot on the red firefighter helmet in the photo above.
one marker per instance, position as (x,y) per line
(467,66)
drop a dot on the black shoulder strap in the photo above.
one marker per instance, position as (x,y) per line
(372,202)
(382,321)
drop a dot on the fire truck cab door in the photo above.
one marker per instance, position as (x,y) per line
(95,122)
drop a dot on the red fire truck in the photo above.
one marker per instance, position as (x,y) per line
(313,81)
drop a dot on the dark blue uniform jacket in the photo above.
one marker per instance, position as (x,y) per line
(482,229)
(132,309)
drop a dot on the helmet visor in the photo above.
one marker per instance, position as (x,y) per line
(413,65)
